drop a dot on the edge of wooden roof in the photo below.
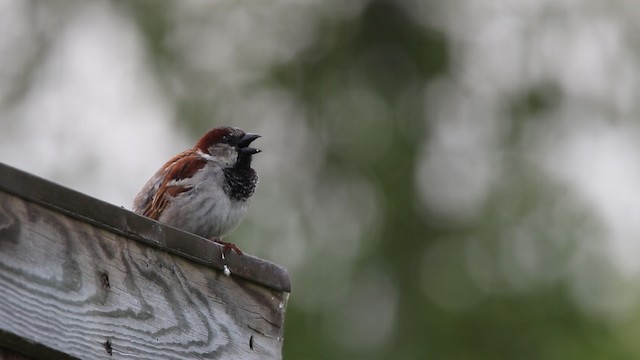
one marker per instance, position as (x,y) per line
(138,228)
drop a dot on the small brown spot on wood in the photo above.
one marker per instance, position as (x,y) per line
(107,346)
(104,281)
(251,342)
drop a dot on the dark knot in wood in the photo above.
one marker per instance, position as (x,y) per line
(104,281)
(108,348)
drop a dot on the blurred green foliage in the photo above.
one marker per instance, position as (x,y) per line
(360,84)
(408,201)
(388,53)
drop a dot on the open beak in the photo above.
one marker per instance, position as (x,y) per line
(243,144)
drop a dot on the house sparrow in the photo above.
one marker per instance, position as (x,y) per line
(204,190)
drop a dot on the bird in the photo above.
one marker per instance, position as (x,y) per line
(204,190)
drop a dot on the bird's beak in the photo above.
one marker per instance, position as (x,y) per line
(243,144)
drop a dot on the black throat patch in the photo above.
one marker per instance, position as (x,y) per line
(240,182)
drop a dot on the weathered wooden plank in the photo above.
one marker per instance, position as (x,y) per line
(93,292)
(123,222)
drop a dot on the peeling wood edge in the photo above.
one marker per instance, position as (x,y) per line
(138,228)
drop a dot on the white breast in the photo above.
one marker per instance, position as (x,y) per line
(205,210)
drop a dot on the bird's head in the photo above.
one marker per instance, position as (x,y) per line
(228,146)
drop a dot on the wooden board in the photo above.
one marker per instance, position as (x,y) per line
(70,287)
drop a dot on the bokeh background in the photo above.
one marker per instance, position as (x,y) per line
(443,179)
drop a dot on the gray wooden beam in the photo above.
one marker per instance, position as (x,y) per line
(87,279)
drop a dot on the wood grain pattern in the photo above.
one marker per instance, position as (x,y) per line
(94,294)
